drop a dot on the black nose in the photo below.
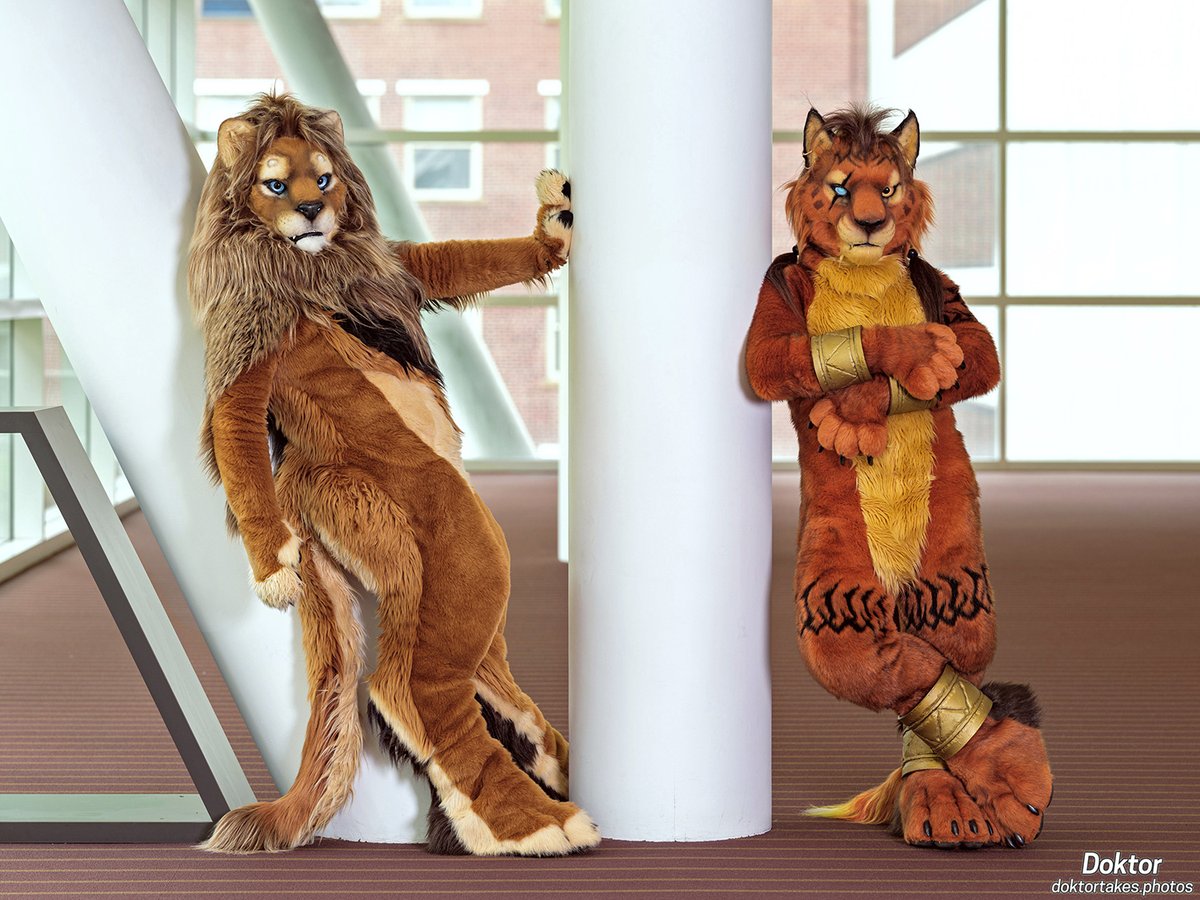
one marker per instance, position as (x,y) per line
(310,209)
(869,224)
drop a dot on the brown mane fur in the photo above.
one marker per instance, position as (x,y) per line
(248,286)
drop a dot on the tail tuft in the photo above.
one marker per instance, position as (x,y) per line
(260,828)
(873,807)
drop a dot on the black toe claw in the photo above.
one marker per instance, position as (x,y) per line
(961,365)
(567,217)
(870,460)
(954,827)
(1033,809)
(955,382)
(820,449)
(811,425)
(973,826)
(841,460)
(927,828)
(567,189)
(989,826)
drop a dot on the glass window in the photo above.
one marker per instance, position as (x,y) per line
(443,113)
(349,9)
(551,90)
(444,171)
(521,340)
(6,255)
(1102,383)
(332,9)
(939,59)
(1125,68)
(226,8)
(6,440)
(1097,219)
(443,9)
(979,418)
(963,240)
(443,168)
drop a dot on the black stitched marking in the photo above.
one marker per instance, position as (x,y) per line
(956,312)
(924,605)
(520,748)
(815,617)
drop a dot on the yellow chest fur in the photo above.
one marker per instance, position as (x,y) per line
(894,492)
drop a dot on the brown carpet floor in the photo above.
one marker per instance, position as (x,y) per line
(1096,581)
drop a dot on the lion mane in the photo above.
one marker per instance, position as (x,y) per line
(248,288)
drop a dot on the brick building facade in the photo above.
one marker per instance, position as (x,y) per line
(494,65)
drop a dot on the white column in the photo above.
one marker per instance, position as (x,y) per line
(670,536)
(100,200)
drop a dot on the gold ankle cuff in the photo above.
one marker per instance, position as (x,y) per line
(917,756)
(949,715)
(902,401)
(838,358)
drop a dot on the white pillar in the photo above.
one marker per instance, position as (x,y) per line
(670,537)
(100,200)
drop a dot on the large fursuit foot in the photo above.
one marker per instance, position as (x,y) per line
(493,808)
(1004,766)
(935,810)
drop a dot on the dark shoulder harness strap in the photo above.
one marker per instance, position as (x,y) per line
(776,278)
(928,282)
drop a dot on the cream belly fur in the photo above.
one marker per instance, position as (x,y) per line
(894,492)
(423,413)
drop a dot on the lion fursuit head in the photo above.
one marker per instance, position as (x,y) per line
(871,347)
(327,425)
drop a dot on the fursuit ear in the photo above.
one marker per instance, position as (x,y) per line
(816,138)
(908,133)
(232,137)
(331,119)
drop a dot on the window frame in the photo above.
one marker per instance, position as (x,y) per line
(472,90)
(474,11)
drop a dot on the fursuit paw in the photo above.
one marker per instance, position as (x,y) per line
(935,810)
(923,358)
(1005,769)
(554,219)
(282,588)
(853,421)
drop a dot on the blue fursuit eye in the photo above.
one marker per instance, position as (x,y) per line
(323,181)
(839,190)
(275,186)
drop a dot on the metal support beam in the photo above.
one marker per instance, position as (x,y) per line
(157,652)
(315,69)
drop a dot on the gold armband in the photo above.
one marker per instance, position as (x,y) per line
(902,401)
(917,756)
(838,358)
(949,715)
